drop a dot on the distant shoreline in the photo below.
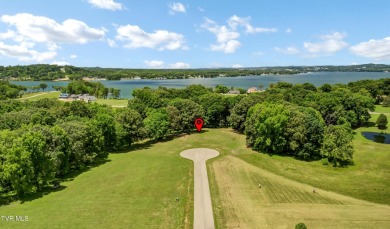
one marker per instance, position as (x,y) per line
(92,79)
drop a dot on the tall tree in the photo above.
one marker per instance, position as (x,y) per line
(337,146)
(157,124)
(43,86)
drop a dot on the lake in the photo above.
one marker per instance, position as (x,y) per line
(318,79)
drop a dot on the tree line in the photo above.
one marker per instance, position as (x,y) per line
(93,88)
(45,140)
(52,72)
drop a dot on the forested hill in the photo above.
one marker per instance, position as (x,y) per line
(54,72)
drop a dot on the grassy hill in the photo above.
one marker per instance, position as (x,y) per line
(137,189)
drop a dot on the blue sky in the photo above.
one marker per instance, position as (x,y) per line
(194,34)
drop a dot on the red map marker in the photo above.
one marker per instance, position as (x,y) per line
(199,124)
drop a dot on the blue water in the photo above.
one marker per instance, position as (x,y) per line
(377,137)
(318,79)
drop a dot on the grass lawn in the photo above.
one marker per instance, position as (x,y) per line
(40,95)
(137,189)
(113,102)
(382,109)
(134,189)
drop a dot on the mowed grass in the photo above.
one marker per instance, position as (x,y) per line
(137,189)
(282,203)
(40,95)
(113,102)
(367,179)
(134,189)
(382,109)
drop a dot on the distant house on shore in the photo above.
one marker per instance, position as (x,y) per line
(251,90)
(87,98)
(63,96)
(74,97)
(234,92)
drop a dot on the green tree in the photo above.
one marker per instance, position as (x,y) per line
(188,111)
(216,109)
(238,113)
(157,124)
(381,121)
(130,128)
(338,146)
(326,88)
(300,226)
(106,125)
(221,89)
(17,170)
(116,93)
(35,143)
(265,127)
(43,86)
(304,132)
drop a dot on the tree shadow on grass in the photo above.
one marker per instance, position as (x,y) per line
(369,124)
(45,191)
(49,188)
(147,144)
(236,131)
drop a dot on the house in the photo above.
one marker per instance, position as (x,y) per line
(234,92)
(89,98)
(63,96)
(82,97)
(251,90)
(74,97)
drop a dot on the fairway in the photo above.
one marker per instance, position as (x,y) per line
(282,203)
(138,188)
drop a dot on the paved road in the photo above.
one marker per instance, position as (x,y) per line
(203,211)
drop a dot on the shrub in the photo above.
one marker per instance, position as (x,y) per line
(381,121)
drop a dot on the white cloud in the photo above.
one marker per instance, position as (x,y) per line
(223,33)
(52,46)
(375,49)
(30,30)
(60,63)
(176,7)
(201,9)
(160,39)
(106,4)
(330,43)
(236,21)
(237,66)
(288,30)
(180,65)
(24,52)
(225,37)
(289,50)
(73,56)
(111,43)
(154,63)
(227,47)
(43,29)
